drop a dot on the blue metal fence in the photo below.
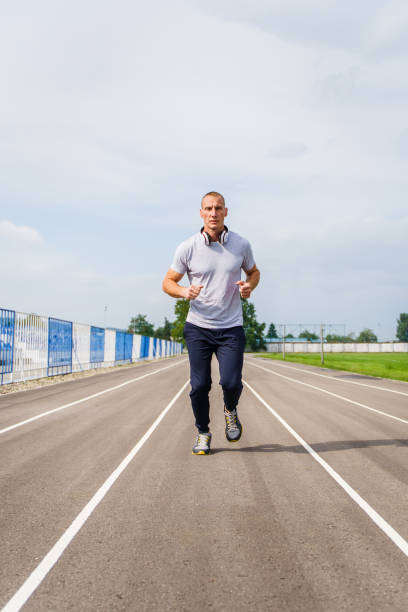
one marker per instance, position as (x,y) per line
(7,323)
(144,347)
(97,345)
(33,346)
(120,346)
(59,346)
(128,346)
(123,346)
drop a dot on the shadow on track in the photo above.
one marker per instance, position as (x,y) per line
(321,447)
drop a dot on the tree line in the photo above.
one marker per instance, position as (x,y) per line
(366,335)
(254,331)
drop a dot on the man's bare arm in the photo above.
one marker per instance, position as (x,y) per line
(171,287)
(252,279)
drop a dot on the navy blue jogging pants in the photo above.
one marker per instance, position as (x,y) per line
(228,346)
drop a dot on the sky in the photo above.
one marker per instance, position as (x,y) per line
(116,117)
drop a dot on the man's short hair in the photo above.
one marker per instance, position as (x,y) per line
(214,194)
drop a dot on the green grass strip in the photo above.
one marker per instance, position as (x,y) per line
(383,365)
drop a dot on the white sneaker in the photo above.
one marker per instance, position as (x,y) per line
(202,445)
(233,427)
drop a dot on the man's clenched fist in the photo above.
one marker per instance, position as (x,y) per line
(193,291)
(244,289)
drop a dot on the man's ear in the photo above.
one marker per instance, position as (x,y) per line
(201,212)
(226,212)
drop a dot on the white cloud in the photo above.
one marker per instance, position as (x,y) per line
(386,34)
(18,234)
(328,23)
(39,277)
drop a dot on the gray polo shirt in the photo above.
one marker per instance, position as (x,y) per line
(217,267)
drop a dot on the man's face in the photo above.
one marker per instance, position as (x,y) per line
(213,212)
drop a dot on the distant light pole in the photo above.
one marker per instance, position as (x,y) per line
(283,345)
(321,343)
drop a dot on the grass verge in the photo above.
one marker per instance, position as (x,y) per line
(383,365)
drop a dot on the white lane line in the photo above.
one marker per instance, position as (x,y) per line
(88,397)
(365,506)
(37,576)
(349,382)
(346,399)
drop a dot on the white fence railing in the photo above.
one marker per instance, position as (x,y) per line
(340,347)
(32,346)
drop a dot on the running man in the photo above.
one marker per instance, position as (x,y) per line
(212,260)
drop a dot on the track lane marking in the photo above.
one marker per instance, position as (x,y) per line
(85,399)
(389,531)
(349,382)
(346,399)
(21,596)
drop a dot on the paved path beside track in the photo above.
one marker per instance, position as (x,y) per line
(104,508)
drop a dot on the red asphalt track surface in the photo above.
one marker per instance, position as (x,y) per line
(103,506)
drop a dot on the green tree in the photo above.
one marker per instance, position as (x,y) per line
(308,335)
(402,327)
(336,338)
(289,336)
(140,325)
(254,331)
(181,311)
(272,331)
(164,332)
(367,335)
(167,329)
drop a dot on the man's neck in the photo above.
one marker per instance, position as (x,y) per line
(214,233)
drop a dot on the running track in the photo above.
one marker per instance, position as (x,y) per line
(104,508)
